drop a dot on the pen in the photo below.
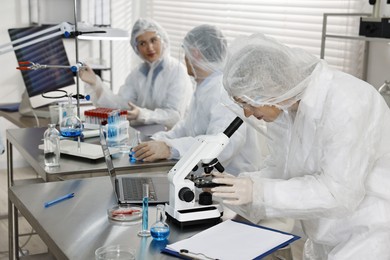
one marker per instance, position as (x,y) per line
(52,202)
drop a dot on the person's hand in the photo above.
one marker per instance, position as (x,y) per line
(152,151)
(87,75)
(238,190)
(133,112)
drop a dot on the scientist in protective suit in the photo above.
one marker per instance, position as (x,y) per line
(205,52)
(157,91)
(332,166)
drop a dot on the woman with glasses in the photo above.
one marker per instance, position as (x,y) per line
(331,164)
(157,91)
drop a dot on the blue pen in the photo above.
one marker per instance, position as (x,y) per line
(65,197)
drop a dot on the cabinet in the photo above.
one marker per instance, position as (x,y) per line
(366,40)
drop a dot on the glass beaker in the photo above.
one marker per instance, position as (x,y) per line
(160,230)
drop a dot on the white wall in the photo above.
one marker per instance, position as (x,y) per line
(13,14)
(378,63)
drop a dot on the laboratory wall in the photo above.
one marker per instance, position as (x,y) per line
(378,68)
(13,14)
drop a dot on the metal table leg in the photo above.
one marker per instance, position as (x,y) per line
(13,229)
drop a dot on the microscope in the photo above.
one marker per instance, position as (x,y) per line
(183,207)
(375,25)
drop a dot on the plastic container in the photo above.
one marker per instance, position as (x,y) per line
(51,146)
(115,252)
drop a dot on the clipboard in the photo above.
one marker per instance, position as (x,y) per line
(234,245)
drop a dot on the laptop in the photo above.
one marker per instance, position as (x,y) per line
(128,189)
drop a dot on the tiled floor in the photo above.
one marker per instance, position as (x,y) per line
(33,244)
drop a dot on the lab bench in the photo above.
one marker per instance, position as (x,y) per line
(75,228)
(27,140)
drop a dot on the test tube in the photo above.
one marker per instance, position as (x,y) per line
(136,140)
(145,205)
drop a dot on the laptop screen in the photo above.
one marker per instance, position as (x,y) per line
(107,157)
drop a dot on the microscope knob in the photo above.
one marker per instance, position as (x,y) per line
(205,198)
(186,194)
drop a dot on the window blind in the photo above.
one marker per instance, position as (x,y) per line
(296,23)
(122,53)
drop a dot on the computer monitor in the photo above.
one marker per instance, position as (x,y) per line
(43,83)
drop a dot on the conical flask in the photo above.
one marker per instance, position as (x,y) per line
(160,230)
(71,125)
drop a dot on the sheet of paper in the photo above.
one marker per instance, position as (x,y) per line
(232,240)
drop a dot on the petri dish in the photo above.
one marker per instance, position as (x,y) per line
(125,213)
(115,252)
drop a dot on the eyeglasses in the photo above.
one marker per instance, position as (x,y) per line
(240,103)
(154,41)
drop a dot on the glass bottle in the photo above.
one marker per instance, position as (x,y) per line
(51,143)
(71,125)
(160,230)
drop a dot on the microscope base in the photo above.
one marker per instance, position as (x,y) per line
(205,215)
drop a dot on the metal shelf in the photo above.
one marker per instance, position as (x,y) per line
(359,38)
(366,40)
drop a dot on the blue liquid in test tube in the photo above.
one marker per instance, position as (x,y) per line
(145,202)
(145,205)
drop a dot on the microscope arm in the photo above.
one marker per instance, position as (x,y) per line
(205,149)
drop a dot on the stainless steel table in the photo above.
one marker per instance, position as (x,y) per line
(75,228)
(24,121)
(27,140)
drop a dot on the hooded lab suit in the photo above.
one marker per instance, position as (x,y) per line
(161,90)
(207,115)
(332,170)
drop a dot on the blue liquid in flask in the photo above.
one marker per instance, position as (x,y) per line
(69,132)
(159,233)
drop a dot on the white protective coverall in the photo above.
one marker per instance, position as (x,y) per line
(161,90)
(207,114)
(332,171)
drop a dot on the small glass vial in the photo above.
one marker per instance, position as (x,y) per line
(51,142)
(160,230)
